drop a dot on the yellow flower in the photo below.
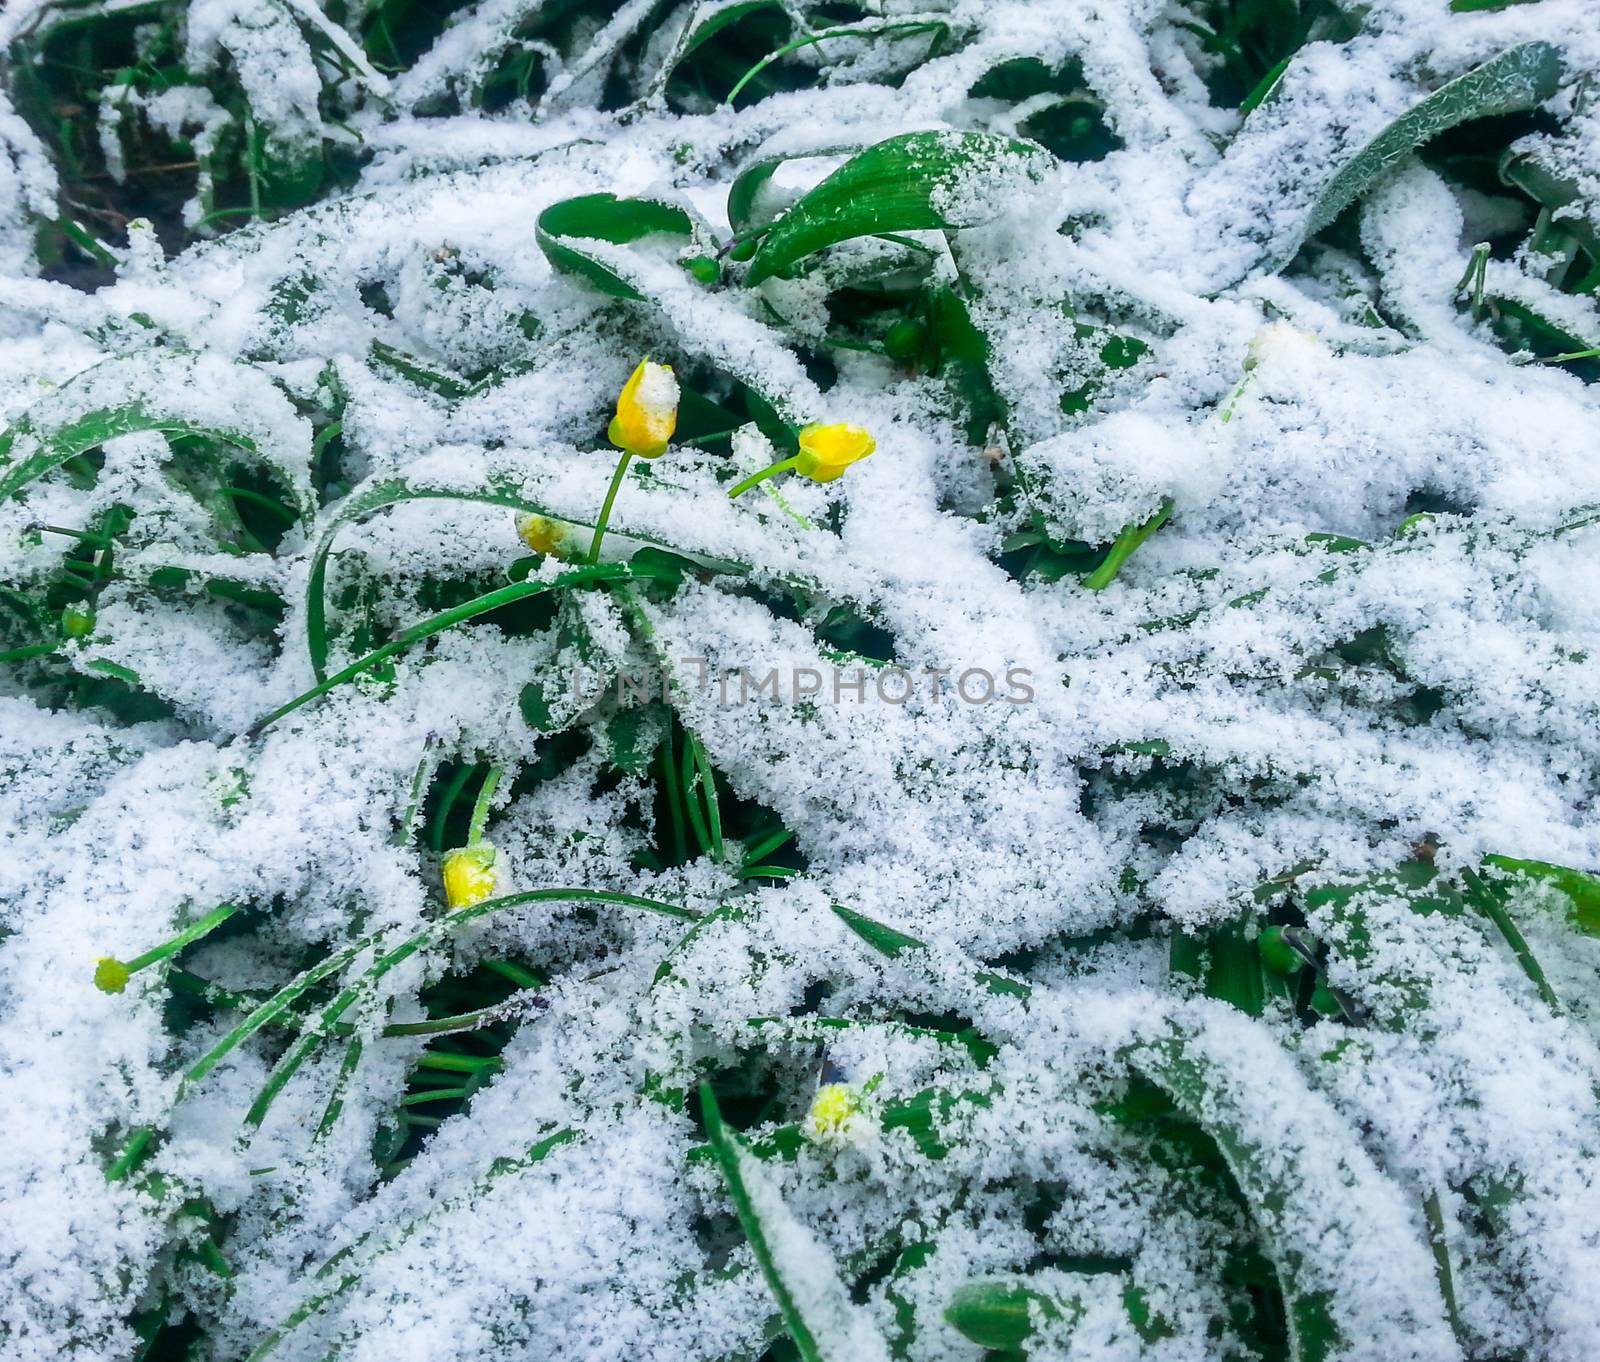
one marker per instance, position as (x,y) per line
(826,451)
(841,1115)
(543,535)
(469,875)
(647,411)
(110,974)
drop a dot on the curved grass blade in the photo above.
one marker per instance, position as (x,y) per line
(362,987)
(868,30)
(749,182)
(377,496)
(1328,1216)
(823,1322)
(172,394)
(1520,78)
(1126,545)
(447,619)
(348,1278)
(1581,889)
(1482,897)
(605,217)
(891,943)
(917,181)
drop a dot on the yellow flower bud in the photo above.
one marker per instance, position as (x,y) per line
(110,974)
(469,875)
(647,411)
(543,535)
(826,451)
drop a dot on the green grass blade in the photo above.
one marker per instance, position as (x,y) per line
(604,217)
(448,619)
(888,941)
(1520,78)
(824,1324)
(907,183)
(1287,1154)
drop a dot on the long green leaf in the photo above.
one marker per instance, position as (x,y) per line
(169,393)
(1520,78)
(604,217)
(448,619)
(1326,1213)
(888,941)
(748,183)
(382,493)
(917,181)
(352,1274)
(1582,890)
(435,932)
(823,1322)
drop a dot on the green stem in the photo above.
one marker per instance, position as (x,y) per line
(347,1071)
(446,619)
(31,650)
(509,969)
(920,27)
(419,1099)
(1127,542)
(457,1064)
(447,801)
(607,504)
(215,918)
(132,1152)
(755,479)
(1567,358)
(367,982)
(480,809)
(445,1026)
(669,778)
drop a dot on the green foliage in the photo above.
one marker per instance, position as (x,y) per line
(903,184)
(270,496)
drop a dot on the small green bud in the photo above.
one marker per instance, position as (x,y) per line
(77,621)
(1277,954)
(905,340)
(702,268)
(999,1314)
(743,251)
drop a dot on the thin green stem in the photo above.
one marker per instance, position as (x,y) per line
(446,619)
(348,1278)
(509,969)
(366,983)
(31,650)
(777,55)
(756,479)
(480,809)
(447,801)
(445,1026)
(192,933)
(419,1099)
(1567,358)
(460,1064)
(605,506)
(669,779)
(1126,544)
(341,1085)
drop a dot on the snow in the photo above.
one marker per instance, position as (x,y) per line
(1270,406)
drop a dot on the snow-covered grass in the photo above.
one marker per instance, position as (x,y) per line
(1089,855)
